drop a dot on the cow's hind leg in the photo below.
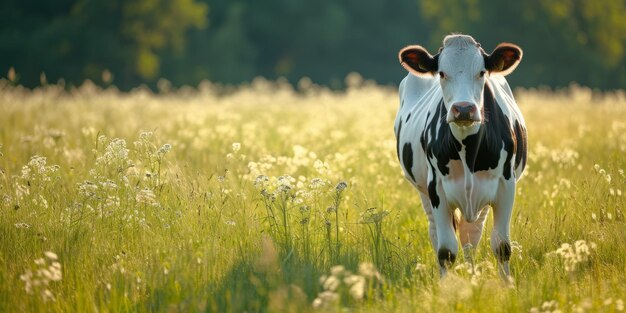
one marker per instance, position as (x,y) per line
(470,234)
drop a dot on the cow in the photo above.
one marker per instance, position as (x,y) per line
(462,143)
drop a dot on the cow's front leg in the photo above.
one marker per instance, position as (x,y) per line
(447,246)
(500,237)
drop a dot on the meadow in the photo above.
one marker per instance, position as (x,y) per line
(279,198)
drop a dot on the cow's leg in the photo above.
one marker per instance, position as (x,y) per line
(470,234)
(500,237)
(447,246)
(432,228)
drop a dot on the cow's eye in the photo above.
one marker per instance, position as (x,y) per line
(482,73)
(442,75)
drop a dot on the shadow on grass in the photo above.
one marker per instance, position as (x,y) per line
(272,282)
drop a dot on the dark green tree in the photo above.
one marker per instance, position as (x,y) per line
(140,41)
(80,39)
(564,41)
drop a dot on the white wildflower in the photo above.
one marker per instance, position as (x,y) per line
(331,283)
(357,285)
(341,186)
(572,255)
(22,225)
(146,196)
(317,183)
(321,167)
(39,279)
(164,149)
(337,270)
(51,255)
(236,147)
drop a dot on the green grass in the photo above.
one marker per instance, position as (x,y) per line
(260,225)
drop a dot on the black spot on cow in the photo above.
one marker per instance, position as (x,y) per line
(423,136)
(407,159)
(441,144)
(398,140)
(432,190)
(407,118)
(483,148)
(446,257)
(521,144)
(503,251)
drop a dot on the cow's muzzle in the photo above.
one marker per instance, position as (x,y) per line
(464,113)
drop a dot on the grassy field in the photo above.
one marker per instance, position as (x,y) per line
(258,198)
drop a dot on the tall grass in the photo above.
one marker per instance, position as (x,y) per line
(261,198)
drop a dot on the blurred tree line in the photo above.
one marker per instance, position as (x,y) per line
(132,42)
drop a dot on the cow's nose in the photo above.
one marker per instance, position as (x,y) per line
(463,111)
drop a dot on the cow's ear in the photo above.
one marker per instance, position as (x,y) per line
(418,61)
(504,59)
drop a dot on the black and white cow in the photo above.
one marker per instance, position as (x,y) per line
(461,141)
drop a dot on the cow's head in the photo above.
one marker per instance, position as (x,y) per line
(461,66)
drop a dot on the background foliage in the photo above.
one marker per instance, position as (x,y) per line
(186,41)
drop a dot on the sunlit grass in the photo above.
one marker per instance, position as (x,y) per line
(261,198)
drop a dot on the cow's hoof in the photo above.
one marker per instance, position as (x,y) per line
(446,257)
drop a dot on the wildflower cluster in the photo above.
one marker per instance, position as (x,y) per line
(617,136)
(610,188)
(37,170)
(373,216)
(146,197)
(547,307)
(616,304)
(39,280)
(122,186)
(35,177)
(343,286)
(602,172)
(614,191)
(546,157)
(585,305)
(301,161)
(574,255)
(150,158)
(100,197)
(290,202)
(558,188)
(378,245)
(236,154)
(478,273)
